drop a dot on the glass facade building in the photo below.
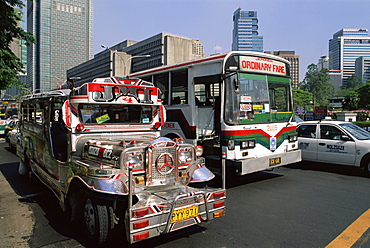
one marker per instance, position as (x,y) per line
(245,32)
(63,32)
(345,47)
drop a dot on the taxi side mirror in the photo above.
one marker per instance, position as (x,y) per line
(346,138)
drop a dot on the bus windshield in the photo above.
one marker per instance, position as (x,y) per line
(251,98)
(117,114)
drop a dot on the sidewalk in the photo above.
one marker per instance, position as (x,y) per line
(16,222)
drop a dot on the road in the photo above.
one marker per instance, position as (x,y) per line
(302,205)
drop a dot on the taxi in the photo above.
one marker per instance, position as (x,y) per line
(335,142)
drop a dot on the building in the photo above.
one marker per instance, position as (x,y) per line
(245,32)
(294,64)
(131,56)
(363,68)
(323,63)
(335,78)
(63,32)
(345,47)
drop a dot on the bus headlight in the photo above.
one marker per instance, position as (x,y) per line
(293,138)
(231,144)
(247,144)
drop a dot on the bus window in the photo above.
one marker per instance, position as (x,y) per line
(206,90)
(179,83)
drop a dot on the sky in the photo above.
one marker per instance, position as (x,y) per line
(303,26)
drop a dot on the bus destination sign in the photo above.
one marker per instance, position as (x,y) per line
(263,65)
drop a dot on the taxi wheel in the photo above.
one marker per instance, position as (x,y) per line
(366,165)
(98,221)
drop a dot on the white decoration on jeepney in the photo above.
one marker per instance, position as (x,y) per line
(142,95)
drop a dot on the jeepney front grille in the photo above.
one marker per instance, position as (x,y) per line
(163,155)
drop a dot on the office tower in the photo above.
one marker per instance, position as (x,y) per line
(63,32)
(245,32)
(363,69)
(323,63)
(345,47)
(294,64)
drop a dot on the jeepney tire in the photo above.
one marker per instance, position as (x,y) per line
(98,221)
(24,167)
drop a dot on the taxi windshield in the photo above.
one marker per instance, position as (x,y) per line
(356,131)
(116,113)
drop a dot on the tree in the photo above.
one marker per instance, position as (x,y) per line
(363,96)
(10,64)
(354,82)
(317,83)
(301,98)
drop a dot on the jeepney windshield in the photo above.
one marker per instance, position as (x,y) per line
(116,113)
(251,98)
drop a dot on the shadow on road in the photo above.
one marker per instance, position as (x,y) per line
(330,168)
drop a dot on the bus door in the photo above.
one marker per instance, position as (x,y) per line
(206,95)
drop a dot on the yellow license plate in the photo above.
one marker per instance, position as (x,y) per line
(184,213)
(275,161)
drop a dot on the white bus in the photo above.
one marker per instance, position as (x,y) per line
(237,105)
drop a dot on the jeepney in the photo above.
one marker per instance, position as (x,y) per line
(98,148)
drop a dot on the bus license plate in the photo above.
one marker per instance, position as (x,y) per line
(275,161)
(184,213)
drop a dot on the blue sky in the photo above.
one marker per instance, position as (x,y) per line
(303,26)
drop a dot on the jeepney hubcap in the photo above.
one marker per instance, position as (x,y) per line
(89,213)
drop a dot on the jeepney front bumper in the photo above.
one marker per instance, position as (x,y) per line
(162,211)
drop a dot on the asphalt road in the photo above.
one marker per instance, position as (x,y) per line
(302,205)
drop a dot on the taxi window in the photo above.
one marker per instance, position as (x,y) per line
(307,131)
(330,132)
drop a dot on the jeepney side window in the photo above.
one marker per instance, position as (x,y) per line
(161,81)
(179,87)
(39,115)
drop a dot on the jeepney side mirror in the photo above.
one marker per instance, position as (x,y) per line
(236,85)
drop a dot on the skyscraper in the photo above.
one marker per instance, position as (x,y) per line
(345,47)
(245,32)
(63,32)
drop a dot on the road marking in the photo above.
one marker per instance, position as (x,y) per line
(352,233)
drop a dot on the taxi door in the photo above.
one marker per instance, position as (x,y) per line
(307,141)
(332,148)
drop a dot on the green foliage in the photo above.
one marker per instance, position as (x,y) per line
(10,64)
(301,98)
(317,83)
(363,94)
(354,82)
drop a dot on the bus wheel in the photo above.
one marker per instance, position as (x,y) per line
(98,221)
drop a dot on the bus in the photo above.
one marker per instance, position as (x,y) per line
(237,105)
(98,148)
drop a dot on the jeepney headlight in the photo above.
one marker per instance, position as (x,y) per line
(185,155)
(199,151)
(134,159)
(293,138)
(231,144)
(247,144)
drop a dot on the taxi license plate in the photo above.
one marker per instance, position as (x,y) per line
(184,213)
(275,161)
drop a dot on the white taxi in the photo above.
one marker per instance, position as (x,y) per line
(335,142)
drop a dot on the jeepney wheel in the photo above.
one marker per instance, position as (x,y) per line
(98,221)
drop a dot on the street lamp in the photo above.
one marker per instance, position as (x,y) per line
(123,60)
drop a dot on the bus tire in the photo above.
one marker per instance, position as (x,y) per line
(98,221)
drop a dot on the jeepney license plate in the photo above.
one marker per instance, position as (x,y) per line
(275,161)
(184,213)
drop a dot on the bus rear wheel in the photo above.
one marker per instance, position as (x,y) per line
(98,221)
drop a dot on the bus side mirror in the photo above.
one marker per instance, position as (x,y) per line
(236,86)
